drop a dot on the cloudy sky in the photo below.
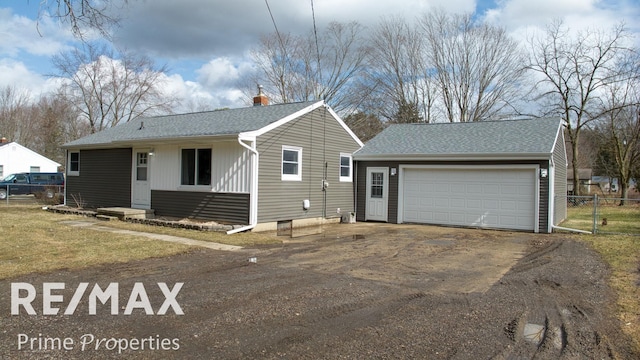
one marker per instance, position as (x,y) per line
(205,42)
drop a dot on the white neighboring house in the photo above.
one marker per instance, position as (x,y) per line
(15,158)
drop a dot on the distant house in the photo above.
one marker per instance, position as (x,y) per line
(15,158)
(490,174)
(584,176)
(261,166)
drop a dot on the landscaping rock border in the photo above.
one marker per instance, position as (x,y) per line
(155,222)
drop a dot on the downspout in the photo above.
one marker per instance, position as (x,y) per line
(64,176)
(253,190)
(552,196)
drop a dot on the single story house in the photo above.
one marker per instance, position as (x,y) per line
(261,166)
(15,158)
(491,174)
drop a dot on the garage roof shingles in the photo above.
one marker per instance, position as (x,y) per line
(506,137)
(210,123)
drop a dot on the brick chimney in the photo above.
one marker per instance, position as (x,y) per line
(4,140)
(260,99)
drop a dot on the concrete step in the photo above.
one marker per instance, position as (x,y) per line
(125,213)
(106,217)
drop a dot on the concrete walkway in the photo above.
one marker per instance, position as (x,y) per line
(176,239)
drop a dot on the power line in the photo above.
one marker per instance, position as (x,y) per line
(273,20)
(315,34)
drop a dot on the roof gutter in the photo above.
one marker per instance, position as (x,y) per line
(253,191)
(452,157)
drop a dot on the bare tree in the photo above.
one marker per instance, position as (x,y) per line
(619,129)
(107,90)
(291,68)
(84,15)
(16,124)
(397,74)
(478,66)
(572,73)
(365,126)
(58,123)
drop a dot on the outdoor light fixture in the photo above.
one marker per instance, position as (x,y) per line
(152,152)
(544,173)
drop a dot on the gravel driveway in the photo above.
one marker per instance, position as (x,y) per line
(356,291)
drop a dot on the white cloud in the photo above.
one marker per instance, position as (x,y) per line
(194,96)
(576,14)
(223,72)
(15,73)
(18,33)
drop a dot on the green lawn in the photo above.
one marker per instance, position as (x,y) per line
(620,219)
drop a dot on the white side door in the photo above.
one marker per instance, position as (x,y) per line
(141,182)
(377,193)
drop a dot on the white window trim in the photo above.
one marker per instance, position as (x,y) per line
(345,178)
(195,187)
(291,177)
(69,172)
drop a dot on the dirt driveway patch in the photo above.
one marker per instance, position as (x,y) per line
(355,291)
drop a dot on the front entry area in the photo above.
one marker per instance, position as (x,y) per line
(377,193)
(141,185)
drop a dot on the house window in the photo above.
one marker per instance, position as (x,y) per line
(34,169)
(377,184)
(1,171)
(196,167)
(142,163)
(291,163)
(74,163)
(345,167)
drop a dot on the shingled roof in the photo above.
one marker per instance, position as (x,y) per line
(507,138)
(202,124)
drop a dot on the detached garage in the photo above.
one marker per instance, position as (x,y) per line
(493,174)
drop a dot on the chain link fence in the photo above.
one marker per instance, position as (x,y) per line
(29,194)
(598,214)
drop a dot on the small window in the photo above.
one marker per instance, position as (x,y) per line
(196,167)
(34,169)
(141,166)
(74,163)
(1,171)
(377,185)
(345,167)
(291,163)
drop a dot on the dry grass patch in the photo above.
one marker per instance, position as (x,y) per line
(622,253)
(33,240)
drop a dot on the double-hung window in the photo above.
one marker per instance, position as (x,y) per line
(196,167)
(291,163)
(73,163)
(346,164)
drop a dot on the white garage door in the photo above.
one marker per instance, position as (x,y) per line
(493,198)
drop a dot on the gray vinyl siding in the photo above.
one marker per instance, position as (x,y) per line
(322,139)
(361,188)
(230,208)
(560,181)
(104,179)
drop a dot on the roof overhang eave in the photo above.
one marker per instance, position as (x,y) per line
(452,157)
(153,141)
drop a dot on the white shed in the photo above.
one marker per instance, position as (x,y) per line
(15,158)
